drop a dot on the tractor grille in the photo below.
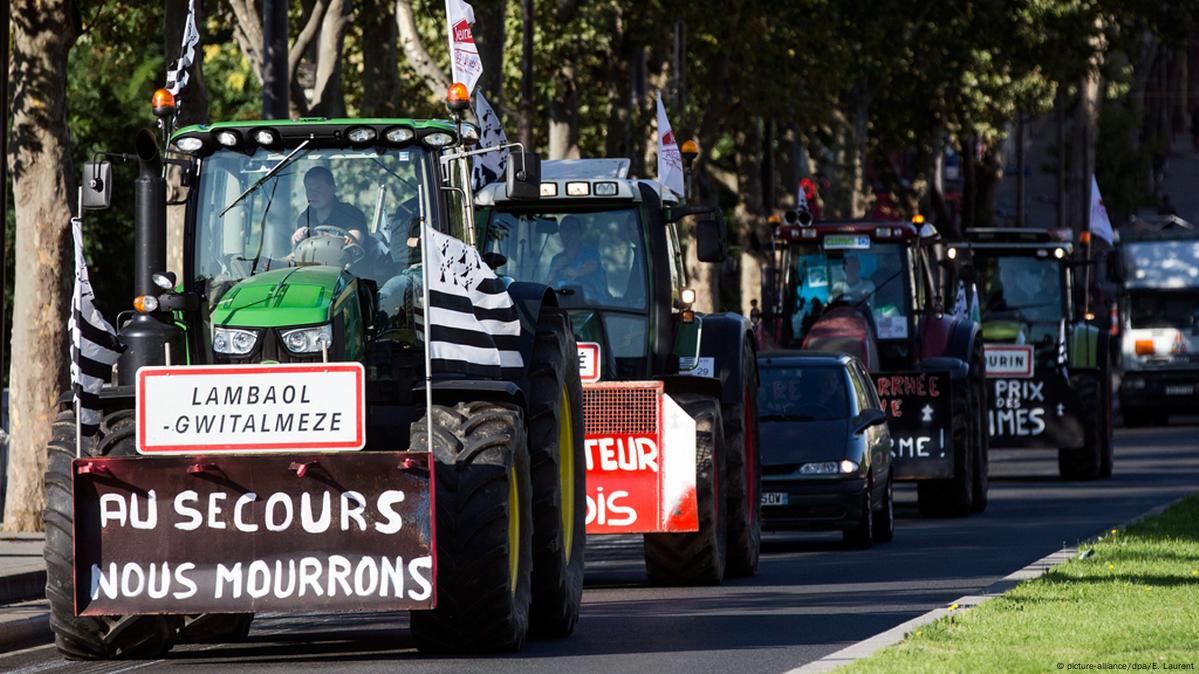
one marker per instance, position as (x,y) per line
(611,408)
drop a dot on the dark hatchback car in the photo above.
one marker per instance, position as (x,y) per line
(826,450)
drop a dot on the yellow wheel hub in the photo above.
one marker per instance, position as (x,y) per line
(513,529)
(566,471)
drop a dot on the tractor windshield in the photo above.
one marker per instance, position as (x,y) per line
(595,259)
(351,208)
(1020,297)
(848,270)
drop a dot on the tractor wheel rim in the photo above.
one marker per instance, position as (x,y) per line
(566,472)
(513,529)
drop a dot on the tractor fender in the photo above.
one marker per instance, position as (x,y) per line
(674,384)
(724,337)
(529,299)
(452,391)
(945,336)
(958,369)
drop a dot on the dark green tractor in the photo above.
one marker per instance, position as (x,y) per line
(1048,368)
(302,283)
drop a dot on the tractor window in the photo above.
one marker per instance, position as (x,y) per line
(1020,297)
(339,207)
(869,277)
(678,277)
(595,258)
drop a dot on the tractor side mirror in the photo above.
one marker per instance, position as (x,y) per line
(710,240)
(97,185)
(523,175)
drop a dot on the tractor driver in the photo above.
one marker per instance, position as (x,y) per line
(577,264)
(324,208)
(854,287)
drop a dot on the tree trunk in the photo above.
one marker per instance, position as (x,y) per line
(620,103)
(527,72)
(43,182)
(328,100)
(380,59)
(193,109)
(564,117)
(414,50)
(488,31)
(247,31)
(749,211)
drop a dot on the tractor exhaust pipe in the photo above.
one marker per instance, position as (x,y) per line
(147,333)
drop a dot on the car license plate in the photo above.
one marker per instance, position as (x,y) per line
(1180,390)
(774,498)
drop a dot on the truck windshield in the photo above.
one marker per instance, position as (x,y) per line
(1164,309)
(855,273)
(596,258)
(352,208)
(1022,291)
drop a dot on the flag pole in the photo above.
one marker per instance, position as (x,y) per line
(424,266)
(75,303)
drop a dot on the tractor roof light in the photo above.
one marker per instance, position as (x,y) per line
(1059,253)
(690,150)
(607,188)
(549,189)
(227,137)
(399,134)
(438,139)
(361,134)
(808,233)
(469,132)
(265,137)
(457,99)
(163,103)
(578,189)
(918,219)
(189,143)
(774,219)
(952,253)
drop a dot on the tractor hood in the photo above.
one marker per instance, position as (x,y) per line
(1010,332)
(281,297)
(845,329)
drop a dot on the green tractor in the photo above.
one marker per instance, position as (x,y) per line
(1048,368)
(670,395)
(265,443)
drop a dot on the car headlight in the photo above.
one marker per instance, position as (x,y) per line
(309,340)
(1133,383)
(848,467)
(233,341)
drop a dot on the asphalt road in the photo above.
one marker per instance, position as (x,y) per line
(810,597)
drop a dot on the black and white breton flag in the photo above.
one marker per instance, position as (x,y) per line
(488,167)
(94,343)
(177,75)
(475,329)
(1063,354)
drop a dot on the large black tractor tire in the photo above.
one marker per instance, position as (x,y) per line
(696,558)
(559,473)
(89,638)
(743,474)
(1086,462)
(484,530)
(953,497)
(980,430)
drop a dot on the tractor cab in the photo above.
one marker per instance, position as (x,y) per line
(604,242)
(867,277)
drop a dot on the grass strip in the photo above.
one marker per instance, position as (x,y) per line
(1129,602)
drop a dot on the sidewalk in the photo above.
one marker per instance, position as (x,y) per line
(22,578)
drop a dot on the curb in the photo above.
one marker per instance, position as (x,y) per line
(22,586)
(30,627)
(897,634)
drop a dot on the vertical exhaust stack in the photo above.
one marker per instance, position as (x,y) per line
(146,335)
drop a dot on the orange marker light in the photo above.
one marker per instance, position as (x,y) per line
(458,97)
(774,219)
(1085,238)
(163,103)
(1144,347)
(145,304)
(689,147)
(918,219)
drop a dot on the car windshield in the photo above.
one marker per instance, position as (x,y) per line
(803,393)
(1164,309)
(352,208)
(1022,291)
(597,258)
(849,270)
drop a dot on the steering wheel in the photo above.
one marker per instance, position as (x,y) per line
(316,248)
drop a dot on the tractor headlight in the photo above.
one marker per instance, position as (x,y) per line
(309,340)
(233,341)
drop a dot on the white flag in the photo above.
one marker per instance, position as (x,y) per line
(960,307)
(489,167)
(1099,225)
(464,55)
(670,161)
(177,75)
(801,198)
